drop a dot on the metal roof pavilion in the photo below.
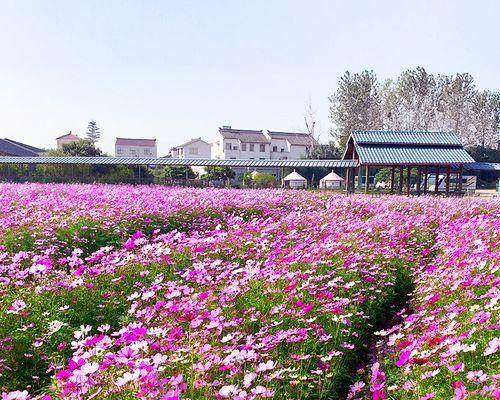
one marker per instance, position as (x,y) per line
(425,152)
(388,148)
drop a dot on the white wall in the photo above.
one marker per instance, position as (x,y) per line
(297,152)
(198,149)
(280,144)
(217,146)
(135,151)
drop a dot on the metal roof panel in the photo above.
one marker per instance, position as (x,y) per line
(415,155)
(407,137)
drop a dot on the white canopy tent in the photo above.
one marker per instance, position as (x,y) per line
(295,181)
(331,181)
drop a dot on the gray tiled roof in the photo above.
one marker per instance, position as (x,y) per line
(136,142)
(188,143)
(11,148)
(27,146)
(407,137)
(414,155)
(295,138)
(244,135)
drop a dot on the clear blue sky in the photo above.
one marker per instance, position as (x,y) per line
(177,70)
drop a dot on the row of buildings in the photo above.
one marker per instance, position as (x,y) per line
(228,143)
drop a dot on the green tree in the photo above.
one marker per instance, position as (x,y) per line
(81,148)
(93,132)
(327,151)
(174,172)
(415,90)
(484,154)
(263,179)
(355,105)
(220,173)
(416,100)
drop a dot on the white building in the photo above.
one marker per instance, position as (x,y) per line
(195,148)
(66,139)
(240,144)
(290,145)
(256,145)
(125,147)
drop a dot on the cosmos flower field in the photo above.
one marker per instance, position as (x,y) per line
(122,292)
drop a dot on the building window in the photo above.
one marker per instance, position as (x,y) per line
(147,152)
(252,147)
(235,147)
(132,151)
(119,150)
(262,158)
(243,147)
(228,146)
(232,158)
(193,150)
(262,148)
(275,149)
(282,150)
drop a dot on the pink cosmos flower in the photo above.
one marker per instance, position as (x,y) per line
(16,306)
(248,379)
(16,395)
(460,391)
(265,366)
(227,390)
(458,367)
(492,347)
(403,358)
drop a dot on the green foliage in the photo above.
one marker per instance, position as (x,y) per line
(81,148)
(416,100)
(22,238)
(14,172)
(384,175)
(263,179)
(327,151)
(220,173)
(87,235)
(101,300)
(484,154)
(173,172)
(118,173)
(355,105)
(93,132)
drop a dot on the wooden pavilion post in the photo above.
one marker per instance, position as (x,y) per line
(436,185)
(419,180)
(460,176)
(448,171)
(426,177)
(392,179)
(347,179)
(354,172)
(408,184)
(401,171)
(367,176)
